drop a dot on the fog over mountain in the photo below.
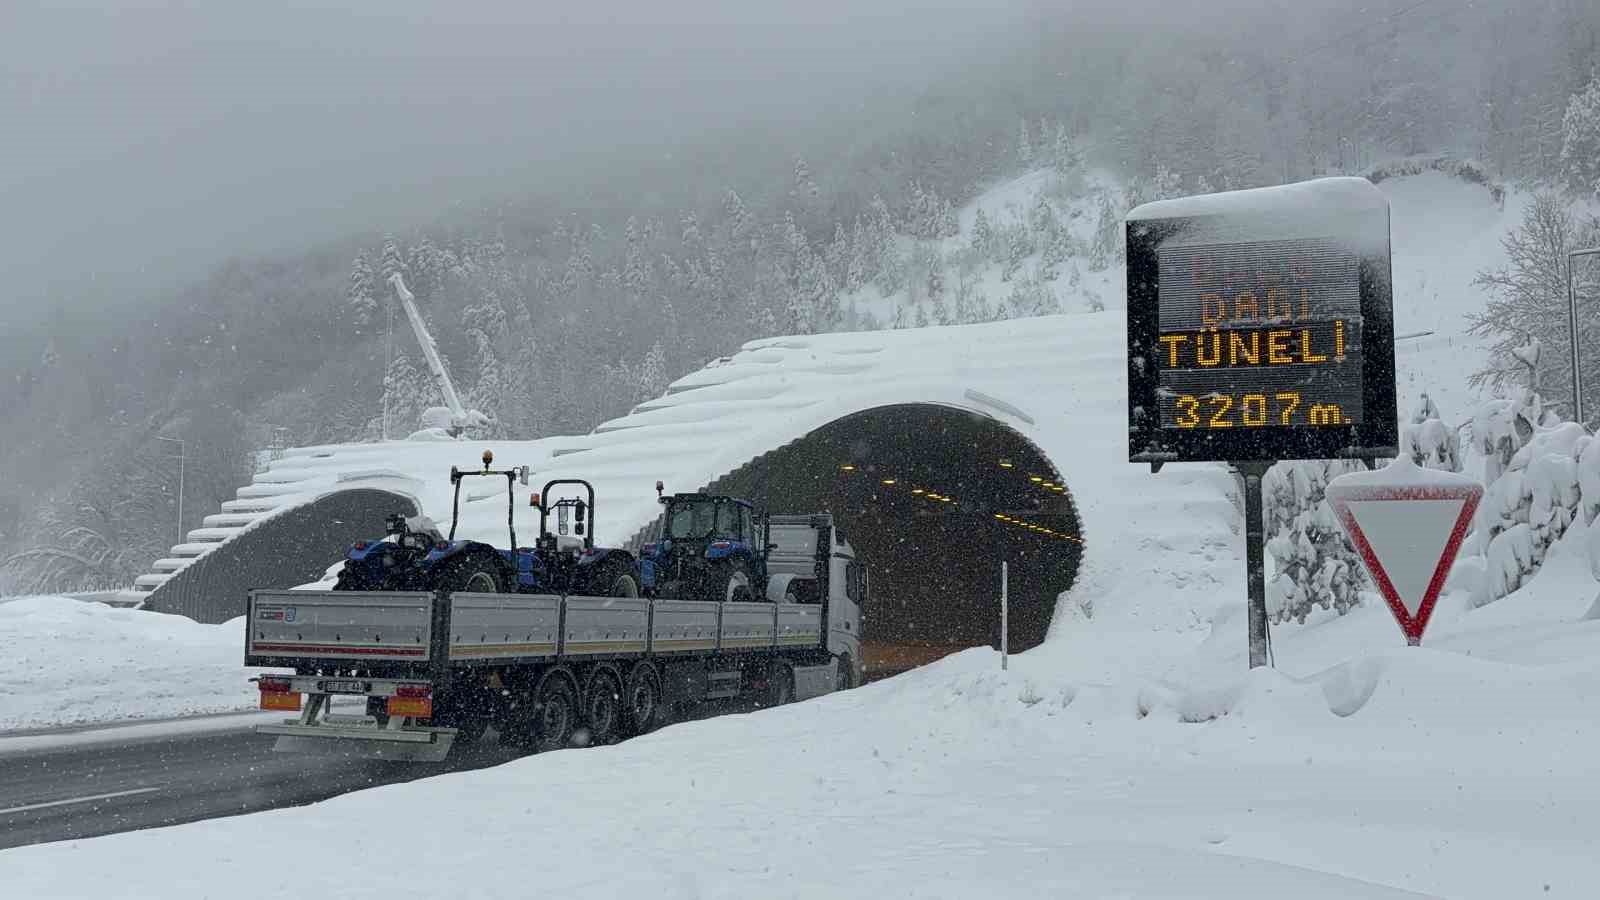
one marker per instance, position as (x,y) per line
(201,203)
(148,140)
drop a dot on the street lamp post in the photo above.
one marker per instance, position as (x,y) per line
(1572,333)
(181,458)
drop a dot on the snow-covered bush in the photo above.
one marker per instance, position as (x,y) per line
(1431,442)
(1465,169)
(1533,502)
(1316,566)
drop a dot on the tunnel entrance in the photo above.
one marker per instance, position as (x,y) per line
(932,498)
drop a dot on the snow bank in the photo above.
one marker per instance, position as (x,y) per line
(69,662)
(1431,771)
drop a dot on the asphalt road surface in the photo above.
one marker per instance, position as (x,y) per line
(62,793)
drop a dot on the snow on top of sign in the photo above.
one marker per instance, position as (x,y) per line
(1403,472)
(1342,194)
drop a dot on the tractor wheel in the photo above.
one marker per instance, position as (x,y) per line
(730,582)
(349,581)
(616,581)
(472,573)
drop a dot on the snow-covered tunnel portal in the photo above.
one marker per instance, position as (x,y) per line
(932,497)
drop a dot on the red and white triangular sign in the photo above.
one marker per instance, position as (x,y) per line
(1407,524)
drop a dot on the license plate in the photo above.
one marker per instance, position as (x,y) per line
(344,687)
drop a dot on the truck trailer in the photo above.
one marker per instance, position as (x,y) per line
(438,668)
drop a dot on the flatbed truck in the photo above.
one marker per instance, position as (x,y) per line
(439,668)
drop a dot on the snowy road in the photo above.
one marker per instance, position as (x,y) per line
(83,790)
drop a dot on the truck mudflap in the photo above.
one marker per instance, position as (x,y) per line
(318,730)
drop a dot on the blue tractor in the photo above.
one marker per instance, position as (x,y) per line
(414,556)
(711,548)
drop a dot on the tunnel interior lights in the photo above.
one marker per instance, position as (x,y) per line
(1005,464)
(937,497)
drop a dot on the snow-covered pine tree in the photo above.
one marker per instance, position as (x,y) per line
(1580,139)
(948,225)
(1065,157)
(652,373)
(1041,216)
(803,188)
(965,311)
(635,268)
(939,309)
(889,262)
(1167,184)
(1024,143)
(1107,246)
(359,294)
(983,242)
(1057,250)
(860,268)
(1019,246)
(837,255)
(1316,566)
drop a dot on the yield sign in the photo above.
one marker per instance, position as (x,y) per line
(1407,523)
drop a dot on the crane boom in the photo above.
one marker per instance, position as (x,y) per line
(430,351)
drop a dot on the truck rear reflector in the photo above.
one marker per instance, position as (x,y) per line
(280,700)
(420,707)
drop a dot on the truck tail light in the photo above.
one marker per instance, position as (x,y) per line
(411,700)
(276,693)
(273,684)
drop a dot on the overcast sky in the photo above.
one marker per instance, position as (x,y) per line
(146,141)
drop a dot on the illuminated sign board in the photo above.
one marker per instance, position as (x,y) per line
(1260,325)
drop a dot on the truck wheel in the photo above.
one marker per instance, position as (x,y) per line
(734,577)
(475,574)
(642,702)
(602,707)
(556,715)
(469,721)
(780,684)
(847,673)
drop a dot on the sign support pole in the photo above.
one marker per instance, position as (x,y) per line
(1005,615)
(1255,556)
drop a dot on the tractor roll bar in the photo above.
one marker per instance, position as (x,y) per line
(511,475)
(545,506)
